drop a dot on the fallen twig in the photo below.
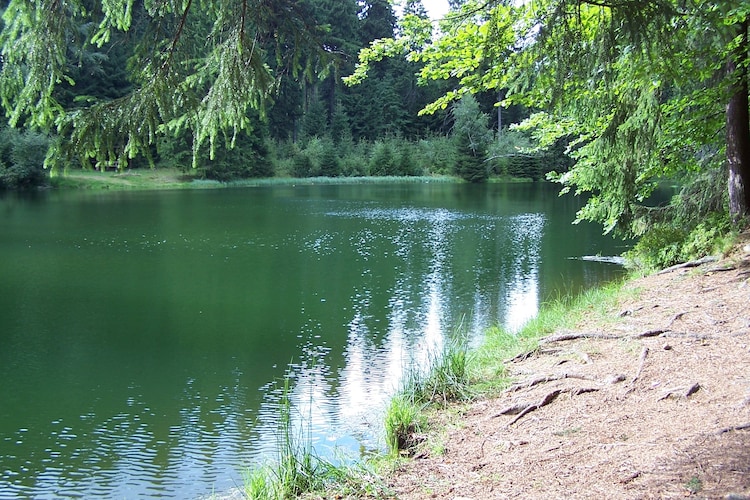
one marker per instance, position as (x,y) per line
(742,427)
(692,263)
(642,361)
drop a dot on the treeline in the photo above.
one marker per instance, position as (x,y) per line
(311,124)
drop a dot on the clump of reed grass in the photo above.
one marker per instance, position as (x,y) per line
(298,470)
(403,422)
(445,380)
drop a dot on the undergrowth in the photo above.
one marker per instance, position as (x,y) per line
(667,244)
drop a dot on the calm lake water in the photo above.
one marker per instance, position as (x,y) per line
(143,335)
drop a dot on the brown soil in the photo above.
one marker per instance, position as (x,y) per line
(666,415)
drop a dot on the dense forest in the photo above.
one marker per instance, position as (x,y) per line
(306,123)
(609,98)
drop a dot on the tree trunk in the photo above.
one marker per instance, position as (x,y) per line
(738,133)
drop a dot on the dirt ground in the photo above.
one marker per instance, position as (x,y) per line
(655,405)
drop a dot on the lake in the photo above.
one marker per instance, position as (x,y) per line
(144,334)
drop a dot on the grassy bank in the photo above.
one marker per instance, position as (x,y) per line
(93,180)
(464,375)
(487,363)
(156,179)
(454,376)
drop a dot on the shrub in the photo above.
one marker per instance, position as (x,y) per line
(438,154)
(22,157)
(707,237)
(666,244)
(658,248)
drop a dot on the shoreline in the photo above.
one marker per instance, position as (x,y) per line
(650,400)
(169,179)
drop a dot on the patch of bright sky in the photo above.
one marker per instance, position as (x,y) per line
(436,8)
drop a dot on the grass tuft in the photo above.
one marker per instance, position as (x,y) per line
(445,380)
(299,472)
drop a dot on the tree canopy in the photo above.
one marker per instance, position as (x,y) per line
(634,91)
(193,65)
(119,81)
(646,89)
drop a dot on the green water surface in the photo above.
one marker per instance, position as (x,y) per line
(141,333)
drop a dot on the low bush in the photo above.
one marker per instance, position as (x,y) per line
(22,157)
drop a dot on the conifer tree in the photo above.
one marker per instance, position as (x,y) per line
(196,66)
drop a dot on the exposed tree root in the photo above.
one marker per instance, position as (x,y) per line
(543,380)
(696,336)
(650,333)
(543,402)
(692,263)
(512,409)
(681,391)
(523,409)
(561,337)
(527,354)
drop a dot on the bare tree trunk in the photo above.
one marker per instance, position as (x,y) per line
(499,114)
(738,134)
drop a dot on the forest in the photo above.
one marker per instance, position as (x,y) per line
(611,99)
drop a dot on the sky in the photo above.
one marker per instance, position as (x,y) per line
(436,8)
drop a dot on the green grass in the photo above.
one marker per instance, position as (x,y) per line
(487,364)
(404,418)
(445,380)
(166,178)
(298,471)
(134,179)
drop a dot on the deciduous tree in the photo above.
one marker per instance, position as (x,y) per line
(649,88)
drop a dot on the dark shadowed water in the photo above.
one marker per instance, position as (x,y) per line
(141,334)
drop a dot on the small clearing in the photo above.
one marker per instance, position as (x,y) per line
(653,405)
